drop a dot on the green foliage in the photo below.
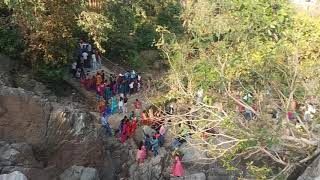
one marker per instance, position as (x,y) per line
(121,39)
(169,17)
(134,26)
(145,36)
(259,172)
(50,74)
(234,47)
(96,25)
(11,41)
(47,27)
(134,61)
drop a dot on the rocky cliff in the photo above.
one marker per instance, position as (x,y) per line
(56,136)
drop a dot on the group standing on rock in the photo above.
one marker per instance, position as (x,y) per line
(112,97)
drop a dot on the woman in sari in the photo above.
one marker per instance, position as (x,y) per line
(98,79)
(124,132)
(93,83)
(87,82)
(141,154)
(114,88)
(177,168)
(107,92)
(114,105)
(133,126)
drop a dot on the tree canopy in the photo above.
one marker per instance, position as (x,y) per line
(233,50)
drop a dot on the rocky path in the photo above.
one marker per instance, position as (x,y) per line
(90,96)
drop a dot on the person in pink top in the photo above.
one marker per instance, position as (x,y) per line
(141,153)
(162,130)
(177,168)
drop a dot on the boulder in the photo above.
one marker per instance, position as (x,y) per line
(312,172)
(153,167)
(24,111)
(16,175)
(20,157)
(191,153)
(79,173)
(196,176)
(17,154)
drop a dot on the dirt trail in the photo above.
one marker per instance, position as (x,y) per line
(90,96)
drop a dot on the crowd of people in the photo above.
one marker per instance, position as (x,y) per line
(112,93)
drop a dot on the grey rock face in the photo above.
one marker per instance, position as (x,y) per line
(16,175)
(79,173)
(196,176)
(312,172)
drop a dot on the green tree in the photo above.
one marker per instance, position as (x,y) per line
(11,42)
(233,48)
(47,27)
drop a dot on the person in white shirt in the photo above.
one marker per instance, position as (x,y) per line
(94,62)
(84,59)
(89,47)
(98,57)
(131,85)
(85,55)
(74,69)
(120,105)
(309,114)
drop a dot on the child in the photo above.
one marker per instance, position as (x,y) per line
(120,105)
(125,101)
(137,106)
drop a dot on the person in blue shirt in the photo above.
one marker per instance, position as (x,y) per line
(105,124)
(147,142)
(155,146)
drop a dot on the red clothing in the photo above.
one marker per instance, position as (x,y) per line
(124,133)
(133,128)
(157,135)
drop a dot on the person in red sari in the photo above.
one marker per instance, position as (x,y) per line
(134,126)
(125,131)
